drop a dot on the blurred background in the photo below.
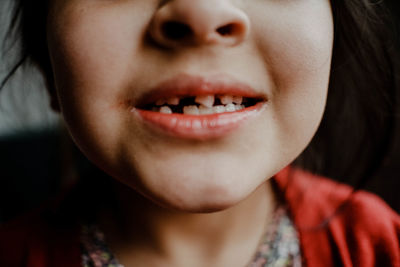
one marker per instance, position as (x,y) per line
(29,135)
(30,138)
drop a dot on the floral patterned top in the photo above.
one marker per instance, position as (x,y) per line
(279,247)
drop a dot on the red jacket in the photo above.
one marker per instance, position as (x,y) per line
(336,226)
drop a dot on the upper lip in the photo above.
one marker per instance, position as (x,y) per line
(185,85)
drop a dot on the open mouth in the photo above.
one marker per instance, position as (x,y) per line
(201,105)
(191,107)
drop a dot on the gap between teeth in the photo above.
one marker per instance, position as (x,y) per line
(228,103)
(205,100)
(202,110)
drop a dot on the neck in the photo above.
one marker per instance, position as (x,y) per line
(141,232)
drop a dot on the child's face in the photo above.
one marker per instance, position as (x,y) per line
(108,54)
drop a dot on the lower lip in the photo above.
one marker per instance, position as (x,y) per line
(198,127)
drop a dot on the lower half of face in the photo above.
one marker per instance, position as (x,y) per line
(117,69)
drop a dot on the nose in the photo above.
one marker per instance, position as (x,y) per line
(180,23)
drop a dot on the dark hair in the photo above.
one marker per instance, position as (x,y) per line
(358,127)
(357,134)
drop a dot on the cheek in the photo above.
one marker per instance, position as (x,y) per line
(92,48)
(297,50)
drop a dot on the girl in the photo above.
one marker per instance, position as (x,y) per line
(196,109)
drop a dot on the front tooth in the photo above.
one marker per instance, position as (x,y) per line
(160,102)
(226,99)
(191,110)
(230,107)
(205,110)
(165,110)
(237,100)
(173,101)
(218,109)
(205,100)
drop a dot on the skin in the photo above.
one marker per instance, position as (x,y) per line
(106,52)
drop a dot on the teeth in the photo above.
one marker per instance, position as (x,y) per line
(191,110)
(160,102)
(205,100)
(230,107)
(226,99)
(237,100)
(165,110)
(203,110)
(218,109)
(239,107)
(206,106)
(173,101)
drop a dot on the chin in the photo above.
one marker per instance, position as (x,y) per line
(188,194)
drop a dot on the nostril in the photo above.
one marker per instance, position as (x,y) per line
(182,23)
(226,29)
(174,30)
